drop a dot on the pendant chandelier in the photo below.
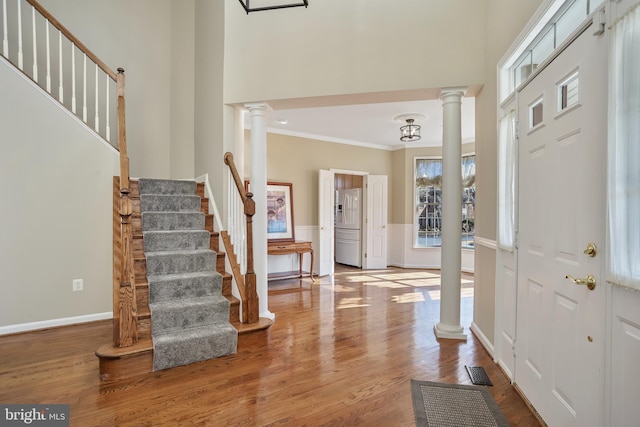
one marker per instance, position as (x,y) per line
(259,5)
(410,132)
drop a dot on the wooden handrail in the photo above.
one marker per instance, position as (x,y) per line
(250,307)
(228,160)
(72,38)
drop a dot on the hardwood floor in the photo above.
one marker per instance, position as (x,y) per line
(340,353)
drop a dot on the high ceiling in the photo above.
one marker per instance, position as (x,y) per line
(369,125)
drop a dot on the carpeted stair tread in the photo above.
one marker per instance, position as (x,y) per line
(153,221)
(171,262)
(169,203)
(171,240)
(188,313)
(197,284)
(194,345)
(166,186)
(188,302)
(177,276)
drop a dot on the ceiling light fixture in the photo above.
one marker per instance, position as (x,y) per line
(271,4)
(409,132)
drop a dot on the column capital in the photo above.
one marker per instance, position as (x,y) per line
(449,91)
(255,107)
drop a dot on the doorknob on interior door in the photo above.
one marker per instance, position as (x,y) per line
(589,281)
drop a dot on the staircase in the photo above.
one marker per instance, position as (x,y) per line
(189,315)
(158,286)
(173,304)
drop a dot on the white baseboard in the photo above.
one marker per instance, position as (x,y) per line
(44,324)
(482,338)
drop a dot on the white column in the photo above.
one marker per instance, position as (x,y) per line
(449,325)
(259,189)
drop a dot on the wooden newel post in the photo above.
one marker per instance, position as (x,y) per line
(126,331)
(122,131)
(250,278)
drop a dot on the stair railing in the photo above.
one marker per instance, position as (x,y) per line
(238,242)
(28,30)
(52,57)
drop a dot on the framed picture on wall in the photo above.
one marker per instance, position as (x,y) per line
(279,211)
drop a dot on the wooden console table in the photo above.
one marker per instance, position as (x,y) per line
(288,248)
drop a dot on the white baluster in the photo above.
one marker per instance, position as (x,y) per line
(73,78)
(60,84)
(35,45)
(97,118)
(108,127)
(20,62)
(233,218)
(5,40)
(84,89)
(243,237)
(232,209)
(48,58)
(230,206)
(240,227)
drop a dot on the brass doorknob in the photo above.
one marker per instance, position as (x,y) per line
(589,281)
(591,250)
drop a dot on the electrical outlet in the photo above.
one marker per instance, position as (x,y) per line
(78,285)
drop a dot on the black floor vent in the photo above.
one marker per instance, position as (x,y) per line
(478,375)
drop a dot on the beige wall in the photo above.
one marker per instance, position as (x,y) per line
(182,149)
(311,155)
(209,83)
(337,47)
(134,35)
(56,180)
(298,160)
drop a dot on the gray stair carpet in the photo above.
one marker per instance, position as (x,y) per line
(189,314)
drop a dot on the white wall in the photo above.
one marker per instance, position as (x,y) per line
(56,210)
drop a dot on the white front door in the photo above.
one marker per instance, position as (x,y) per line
(375,222)
(560,338)
(326,192)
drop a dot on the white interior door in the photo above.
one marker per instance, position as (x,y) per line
(326,192)
(376,222)
(562,172)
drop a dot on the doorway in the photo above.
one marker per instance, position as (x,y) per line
(348,219)
(560,325)
(374,220)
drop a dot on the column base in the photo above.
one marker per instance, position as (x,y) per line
(268,315)
(449,332)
